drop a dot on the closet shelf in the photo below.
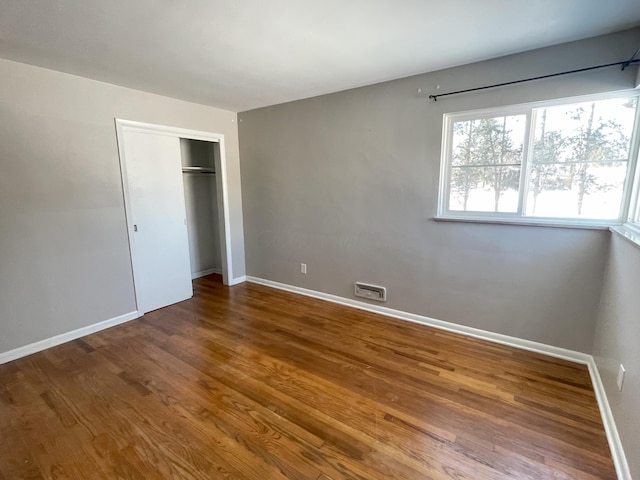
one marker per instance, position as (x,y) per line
(198,170)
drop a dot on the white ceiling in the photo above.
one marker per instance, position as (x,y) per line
(245,54)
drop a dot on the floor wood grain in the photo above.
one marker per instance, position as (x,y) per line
(250,382)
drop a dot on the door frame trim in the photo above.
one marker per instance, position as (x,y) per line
(123,125)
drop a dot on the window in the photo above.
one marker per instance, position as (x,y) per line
(633,219)
(546,163)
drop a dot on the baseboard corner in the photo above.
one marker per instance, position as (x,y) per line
(615,443)
(551,350)
(237,280)
(204,273)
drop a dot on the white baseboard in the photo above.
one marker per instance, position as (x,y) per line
(545,349)
(237,280)
(617,452)
(203,273)
(615,444)
(64,337)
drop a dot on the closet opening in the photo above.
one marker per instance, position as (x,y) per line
(203,214)
(178,210)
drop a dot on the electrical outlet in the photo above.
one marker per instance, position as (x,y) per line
(621,372)
(303,268)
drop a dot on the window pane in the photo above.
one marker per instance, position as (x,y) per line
(585,190)
(579,159)
(474,189)
(486,163)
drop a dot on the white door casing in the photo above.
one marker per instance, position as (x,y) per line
(175,133)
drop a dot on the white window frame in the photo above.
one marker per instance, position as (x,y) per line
(630,205)
(633,212)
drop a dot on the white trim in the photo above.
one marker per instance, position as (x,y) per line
(516,219)
(532,346)
(526,221)
(628,232)
(527,148)
(615,445)
(444,183)
(238,280)
(633,206)
(204,273)
(221,184)
(142,127)
(65,337)
(222,191)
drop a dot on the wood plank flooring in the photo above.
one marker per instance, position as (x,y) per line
(249,382)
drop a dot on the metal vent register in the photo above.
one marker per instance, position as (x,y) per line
(372,292)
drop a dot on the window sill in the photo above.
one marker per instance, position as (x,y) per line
(529,222)
(630,234)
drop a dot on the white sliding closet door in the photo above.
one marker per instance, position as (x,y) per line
(162,273)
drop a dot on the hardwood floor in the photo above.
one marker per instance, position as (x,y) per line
(249,382)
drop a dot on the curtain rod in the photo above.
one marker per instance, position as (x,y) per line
(624,65)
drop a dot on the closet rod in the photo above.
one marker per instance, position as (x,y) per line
(198,170)
(624,65)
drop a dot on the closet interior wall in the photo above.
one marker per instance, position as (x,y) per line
(201,205)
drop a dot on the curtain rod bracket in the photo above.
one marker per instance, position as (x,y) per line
(631,60)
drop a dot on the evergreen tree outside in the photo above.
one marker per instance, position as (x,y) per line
(497,148)
(487,157)
(576,161)
(545,170)
(597,142)
(578,156)
(464,178)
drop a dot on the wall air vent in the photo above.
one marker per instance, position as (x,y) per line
(371,292)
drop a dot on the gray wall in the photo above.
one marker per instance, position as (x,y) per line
(348,184)
(63,240)
(200,194)
(616,342)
